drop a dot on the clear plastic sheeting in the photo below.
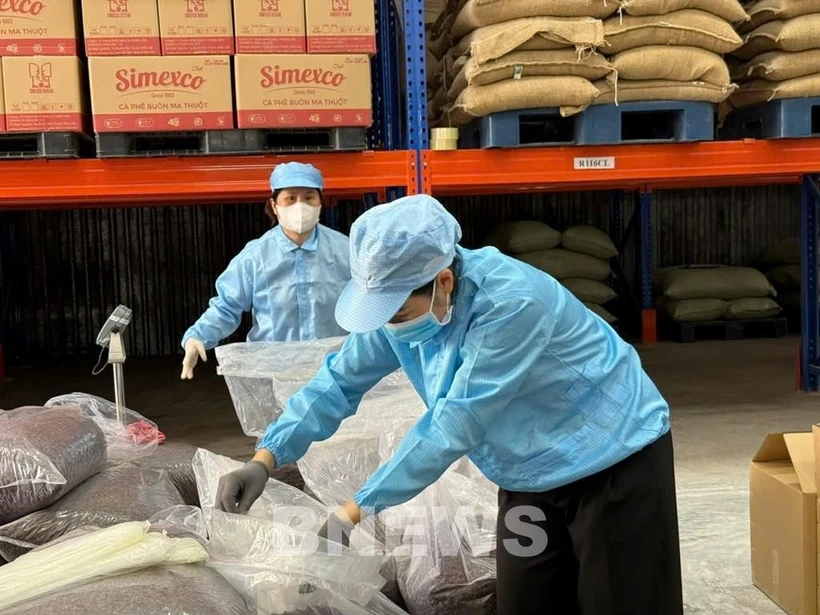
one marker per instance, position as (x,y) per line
(176,458)
(261,376)
(274,554)
(125,443)
(178,590)
(104,553)
(44,454)
(118,494)
(181,522)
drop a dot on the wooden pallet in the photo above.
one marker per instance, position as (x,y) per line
(688,332)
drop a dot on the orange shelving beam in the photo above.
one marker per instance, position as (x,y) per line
(59,184)
(652,166)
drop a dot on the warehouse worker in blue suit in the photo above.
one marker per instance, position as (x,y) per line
(540,393)
(289,279)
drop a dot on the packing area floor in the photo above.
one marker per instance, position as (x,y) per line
(725,398)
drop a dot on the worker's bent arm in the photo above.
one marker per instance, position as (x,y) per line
(234,295)
(498,352)
(316,411)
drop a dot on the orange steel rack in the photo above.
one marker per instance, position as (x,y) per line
(63,184)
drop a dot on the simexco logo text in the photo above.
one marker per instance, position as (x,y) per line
(23,7)
(195,8)
(131,79)
(40,75)
(275,75)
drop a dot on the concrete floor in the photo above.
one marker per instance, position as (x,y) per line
(725,397)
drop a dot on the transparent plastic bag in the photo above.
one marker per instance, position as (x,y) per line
(193,589)
(131,439)
(44,454)
(278,538)
(118,494)
(261,376)
(176,458)
(99,554)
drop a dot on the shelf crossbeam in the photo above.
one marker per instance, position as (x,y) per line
(62,184)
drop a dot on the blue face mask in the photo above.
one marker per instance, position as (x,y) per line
(422,328)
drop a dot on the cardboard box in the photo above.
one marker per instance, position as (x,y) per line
(269,26)
(158,94)
(38,27)
(194,27)
(2,102)
(783,514)
(341,26)
(121,27)
(302,91)
(44,94)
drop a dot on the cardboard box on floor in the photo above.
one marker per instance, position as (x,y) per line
(341,26)
(159,94)
(269,26)
(44,94)
(38,28)
(302,91)
(121,27)
(196,27)
(783,514)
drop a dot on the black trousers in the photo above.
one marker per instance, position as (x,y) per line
(612,544)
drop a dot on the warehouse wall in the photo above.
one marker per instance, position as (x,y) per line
(61,273)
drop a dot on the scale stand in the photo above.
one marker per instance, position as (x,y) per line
(110,337)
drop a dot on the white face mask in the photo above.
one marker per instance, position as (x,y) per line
(299,217)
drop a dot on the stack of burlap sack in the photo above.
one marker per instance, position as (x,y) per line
(781,264)
(671,50)
(499,55)
(700,293)
(578,258)
(780,56)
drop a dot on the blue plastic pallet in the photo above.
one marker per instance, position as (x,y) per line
(636,122)
(779,119)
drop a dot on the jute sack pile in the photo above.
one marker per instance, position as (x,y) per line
(781,264)
(671,50)
(581,264)
(514,65)
(780,56)
(712,292)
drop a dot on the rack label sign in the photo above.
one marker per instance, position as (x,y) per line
(592,164)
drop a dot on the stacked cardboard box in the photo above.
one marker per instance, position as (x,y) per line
(327,87)
(189,27)
(270,26)
(121,27)
(42,75)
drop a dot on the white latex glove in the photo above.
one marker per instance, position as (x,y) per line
(194,350)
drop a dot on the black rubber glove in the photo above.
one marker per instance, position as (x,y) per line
(238,490)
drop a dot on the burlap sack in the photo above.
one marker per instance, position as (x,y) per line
(571,94)
(671,64)
(438,103)
(523,236)
(601,312)
(689,28)
(778,66)
(760,90)
(440,39)
(785,277)
(660,90)
(728,10)
(712,282)
(479,13)
(693,310)
(524,64)
(563,264)
(590,291)
(765,11)
(589,240)
(527,34)
(797,34)
(751,308)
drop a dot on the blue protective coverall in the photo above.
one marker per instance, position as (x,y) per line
(291,291)
(537,390)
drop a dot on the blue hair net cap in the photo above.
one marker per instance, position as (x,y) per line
(296,175)
(394,249)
